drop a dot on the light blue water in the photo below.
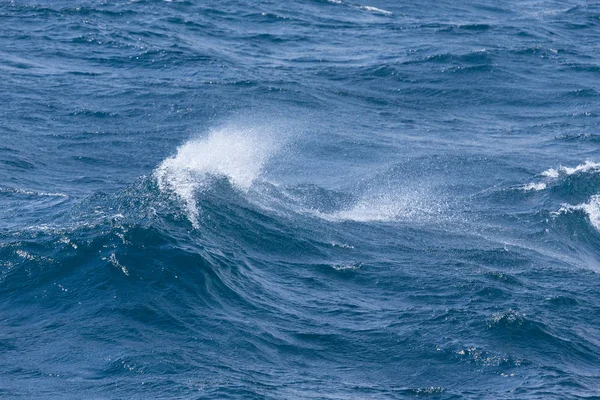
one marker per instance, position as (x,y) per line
(299,200)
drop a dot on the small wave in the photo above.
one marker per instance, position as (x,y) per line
(509,318)
(345,267)
(562,301)
(342,245)
(585,137)
(591,209)
(486,358)
(550,173)
(25,255)
(427,390)
(554,173)
(588,166)
(375,10)
(31,192)
(533,186)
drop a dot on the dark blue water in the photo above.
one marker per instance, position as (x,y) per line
(312,199)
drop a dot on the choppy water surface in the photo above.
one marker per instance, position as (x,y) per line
(299,200)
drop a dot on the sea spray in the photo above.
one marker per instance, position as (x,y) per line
(238,153)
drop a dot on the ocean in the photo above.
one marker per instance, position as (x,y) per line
(308,199)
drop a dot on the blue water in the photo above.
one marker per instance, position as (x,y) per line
(343,199)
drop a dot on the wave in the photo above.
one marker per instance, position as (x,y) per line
(236,152)
(588,166)
(143,267)
(239,153)
(533,186)
(590,208)
(375,10)
(33,193)
(557,178)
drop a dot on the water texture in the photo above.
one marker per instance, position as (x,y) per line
(306,199)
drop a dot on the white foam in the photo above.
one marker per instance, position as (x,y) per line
(591,209)
(555,173)
(25,255)
(533,186)
(375,10)
(588,166)
(236,152)
(550,173)
(31,192)
(345,267)
(342,245)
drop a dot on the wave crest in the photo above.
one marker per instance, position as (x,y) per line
(591,209)
(237,153)
(588,166)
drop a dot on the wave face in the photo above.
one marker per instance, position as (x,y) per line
(299,200)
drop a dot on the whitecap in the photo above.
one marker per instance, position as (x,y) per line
(375,10)
(550,173)
(345,267)
(236,152)
(25,255)
(342,245)
(591,209)
(533,186)
(585,167)
(588,166)
(31,192)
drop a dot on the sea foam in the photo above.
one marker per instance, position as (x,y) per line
(375,10)
(591,209)
(533,186)
(555,173)
(236,152)
(588,166)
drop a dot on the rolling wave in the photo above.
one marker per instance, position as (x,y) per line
(310,199)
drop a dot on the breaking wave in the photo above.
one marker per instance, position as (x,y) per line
(232,151)
(591,209)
